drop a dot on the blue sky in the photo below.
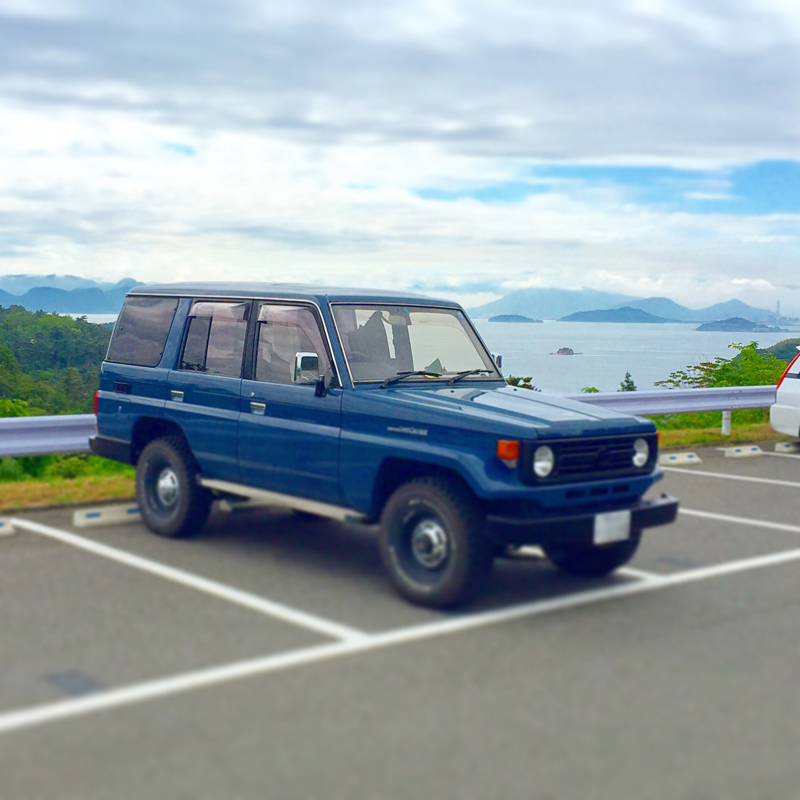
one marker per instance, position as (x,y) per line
(766,187)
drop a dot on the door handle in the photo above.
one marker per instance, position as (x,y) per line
(177,395)
(257,408)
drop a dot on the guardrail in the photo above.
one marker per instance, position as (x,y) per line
(44,436)
(38,436)
(684,401)
(681,401)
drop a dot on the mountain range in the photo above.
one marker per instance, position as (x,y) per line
(558,303)
(69,294)
(64,294)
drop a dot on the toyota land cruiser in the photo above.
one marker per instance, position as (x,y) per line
(370,407)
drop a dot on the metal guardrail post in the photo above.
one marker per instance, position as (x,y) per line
(726,422)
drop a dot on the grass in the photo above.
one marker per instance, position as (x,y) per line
(90,489)
(752,432)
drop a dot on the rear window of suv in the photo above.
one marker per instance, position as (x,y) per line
(141,331)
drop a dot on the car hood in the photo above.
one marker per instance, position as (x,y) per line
(503,410)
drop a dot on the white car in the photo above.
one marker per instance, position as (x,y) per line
(785,414)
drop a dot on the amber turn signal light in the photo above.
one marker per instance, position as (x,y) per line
(507,450)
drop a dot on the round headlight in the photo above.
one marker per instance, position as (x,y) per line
(641,452)
(543,461)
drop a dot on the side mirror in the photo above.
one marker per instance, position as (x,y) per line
(306,367)
(498,360)
(325,382)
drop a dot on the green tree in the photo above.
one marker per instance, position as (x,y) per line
(14,408)
(747,368)
(627,384)
(50,361)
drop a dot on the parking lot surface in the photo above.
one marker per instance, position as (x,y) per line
(270,658)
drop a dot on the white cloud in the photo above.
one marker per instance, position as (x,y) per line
(759,284)
(312,124)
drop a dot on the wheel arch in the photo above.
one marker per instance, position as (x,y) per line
(394,472)
(146,429)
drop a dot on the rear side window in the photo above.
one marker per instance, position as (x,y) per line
(141,331)
(215,338)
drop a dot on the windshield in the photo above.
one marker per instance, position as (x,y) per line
(381,342)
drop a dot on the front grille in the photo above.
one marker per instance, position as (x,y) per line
(594,457)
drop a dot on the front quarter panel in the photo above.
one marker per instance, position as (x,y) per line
(458,429)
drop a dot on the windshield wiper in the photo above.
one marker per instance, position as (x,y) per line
(466,373)
(401,376)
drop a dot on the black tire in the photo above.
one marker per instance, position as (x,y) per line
(170,461)
(432,543)
(593,561)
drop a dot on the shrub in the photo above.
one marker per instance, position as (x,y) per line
(521,383)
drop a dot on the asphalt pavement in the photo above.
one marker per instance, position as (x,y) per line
(270,658)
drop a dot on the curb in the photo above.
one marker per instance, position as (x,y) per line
(106,515)
(787,447)
(670,459)
(748,451)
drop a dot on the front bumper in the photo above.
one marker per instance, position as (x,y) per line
(577,529)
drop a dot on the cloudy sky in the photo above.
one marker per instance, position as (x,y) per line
(462,147)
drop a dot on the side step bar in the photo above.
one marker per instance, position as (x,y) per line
(285,500)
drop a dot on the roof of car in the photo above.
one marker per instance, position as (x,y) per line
(286,291)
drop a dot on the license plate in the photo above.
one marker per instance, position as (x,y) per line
(613,526)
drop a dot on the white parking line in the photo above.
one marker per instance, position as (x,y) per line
(213,588)
(782,455)
(150,690)
(755,523)
(727,477)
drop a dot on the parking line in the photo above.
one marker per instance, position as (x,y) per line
(640,574)
(756,523)
(177,684)
(781,455)
(727,477)
(213,588)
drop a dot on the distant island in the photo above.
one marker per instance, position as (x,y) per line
(512,318)
(738,325)
(565,351)
(625,314)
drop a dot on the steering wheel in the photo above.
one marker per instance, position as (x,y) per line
(357,357)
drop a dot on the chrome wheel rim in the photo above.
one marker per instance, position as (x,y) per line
(429,544)
(167,487)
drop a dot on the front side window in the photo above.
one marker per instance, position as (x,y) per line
(381,342)
(141,330)
(289,345)
(215,338)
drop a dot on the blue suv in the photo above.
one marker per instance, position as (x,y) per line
(369,407)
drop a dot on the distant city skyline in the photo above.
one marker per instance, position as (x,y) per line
(459,147)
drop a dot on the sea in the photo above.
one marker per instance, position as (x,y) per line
(605,351)
(98,319)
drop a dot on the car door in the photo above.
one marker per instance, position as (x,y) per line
(203,393)
(288,431)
